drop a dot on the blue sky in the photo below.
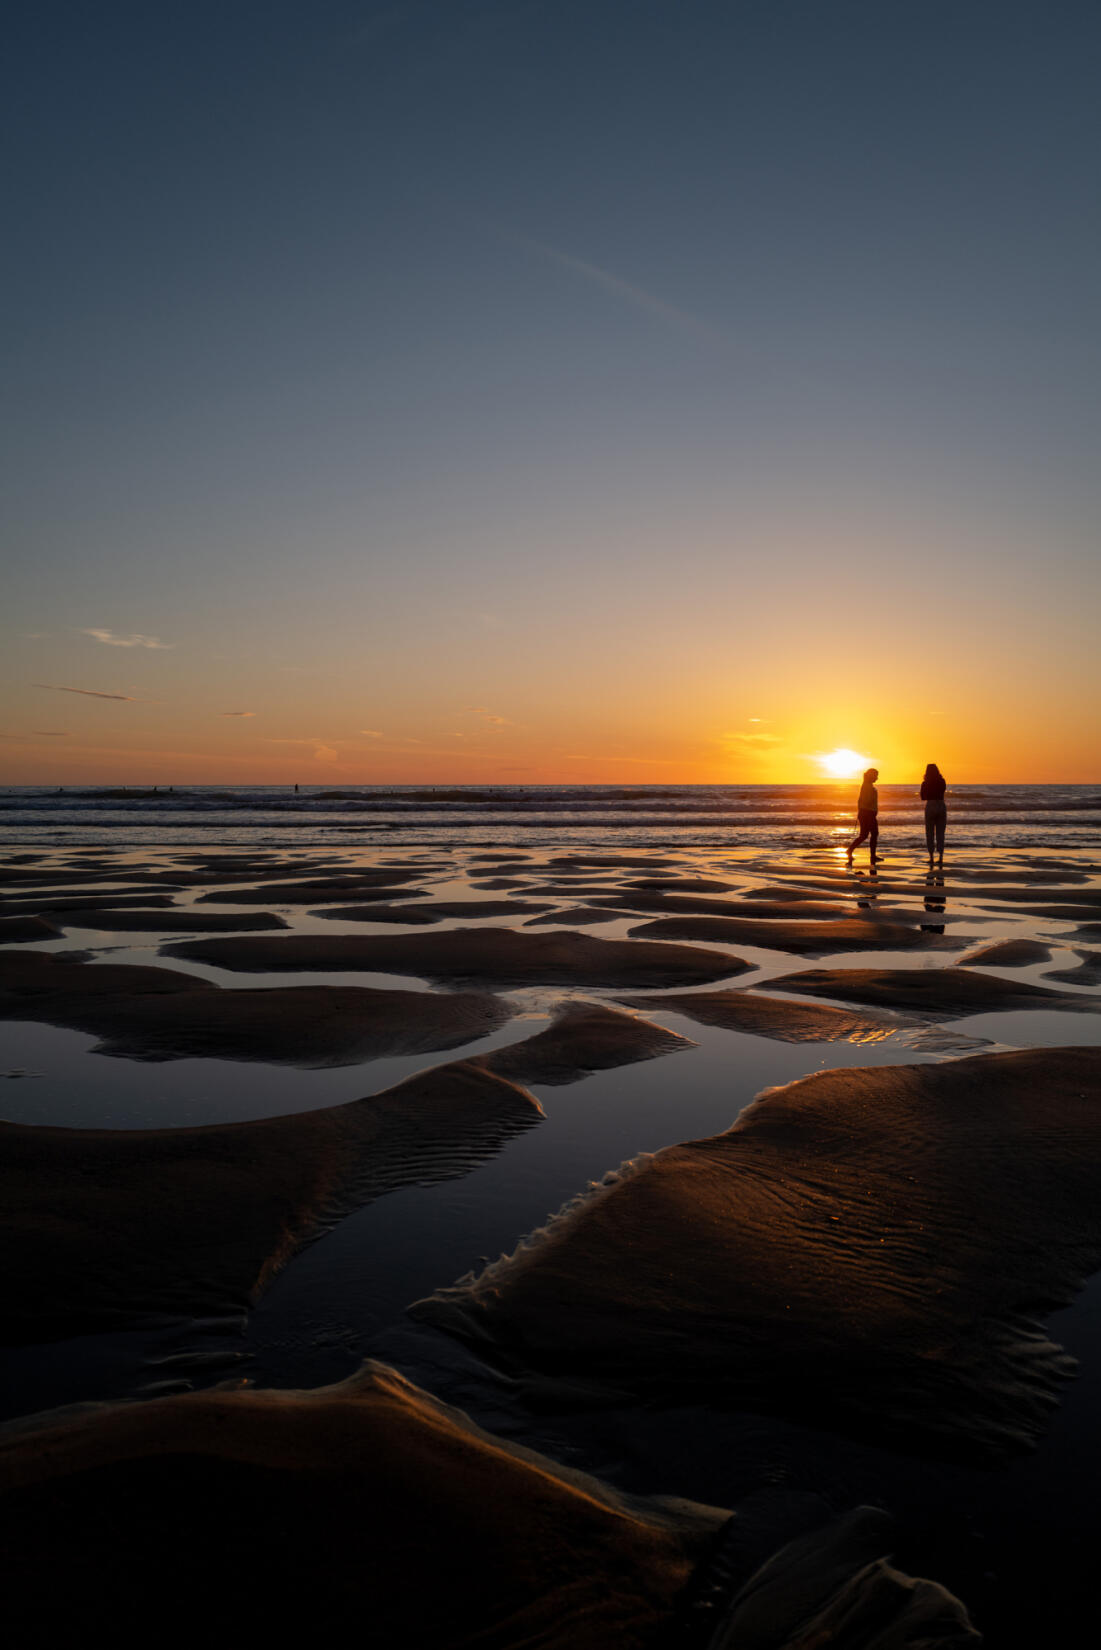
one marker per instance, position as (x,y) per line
(551,356)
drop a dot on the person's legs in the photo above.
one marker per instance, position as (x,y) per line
(873,832)
(942,820)
(862,820)
(929,834)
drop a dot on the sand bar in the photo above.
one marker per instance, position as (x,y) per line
(822,1258)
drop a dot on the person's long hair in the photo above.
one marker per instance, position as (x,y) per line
(868,772)
(931,769)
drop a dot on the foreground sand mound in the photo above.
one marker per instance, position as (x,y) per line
(497,956)
(100,1228)
(783,1021)
(947,993)
(822,1258)
(378,1507)
(163,1014)
(582,1037)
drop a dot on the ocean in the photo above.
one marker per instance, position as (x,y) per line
(706,816)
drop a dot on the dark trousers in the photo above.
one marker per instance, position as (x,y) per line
(869,826)
(936,817)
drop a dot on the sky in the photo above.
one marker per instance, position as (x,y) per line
(622,391)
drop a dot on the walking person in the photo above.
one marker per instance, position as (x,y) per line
(933,787)
(867,816)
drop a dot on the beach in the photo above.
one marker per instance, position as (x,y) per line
(605,1146)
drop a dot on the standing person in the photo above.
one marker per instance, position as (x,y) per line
(867,815)
(933,787)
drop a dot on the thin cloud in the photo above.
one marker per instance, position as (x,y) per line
(236,713)
(93,693)
(754,741)
(625,291)
(322,752)
(37,733)
(133,640)
(488,716)
(372,733)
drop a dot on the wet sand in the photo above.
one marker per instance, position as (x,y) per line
(872,1252)
(375,1503)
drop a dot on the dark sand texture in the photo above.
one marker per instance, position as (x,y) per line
(775,1017)
(100,1228)
(581,916)
(168,922)
(146,1017)
(409,916)
(18,930)
(947,993)
(320,890)
(822,1258)
(1087,972)
(28,975)
(681,885)
(1009,954)
(582,1037)
(301,1517)
(810,939)
(696,905)
(496,956)
(116,899)
(435,912)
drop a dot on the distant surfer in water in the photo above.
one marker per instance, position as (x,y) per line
(933,787)
(867,816)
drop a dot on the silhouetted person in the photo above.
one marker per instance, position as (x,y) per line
(933,787)
(296,790)
(867,815)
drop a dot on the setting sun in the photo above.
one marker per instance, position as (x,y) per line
(843,763)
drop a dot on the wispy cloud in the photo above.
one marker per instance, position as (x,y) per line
(372,733)
(93,693)
(236,713)
(134,640)
(323,752)
(490,717)
(752,741)
(38,733)
(616,287)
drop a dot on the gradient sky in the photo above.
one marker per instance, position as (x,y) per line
(614,391)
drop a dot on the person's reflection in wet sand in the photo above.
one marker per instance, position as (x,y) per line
(935,902)
(868,888)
